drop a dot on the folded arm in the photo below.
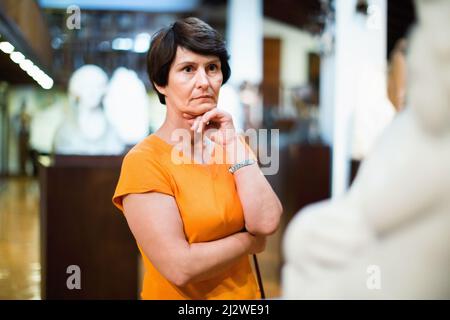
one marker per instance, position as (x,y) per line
(262,208)
(156,224)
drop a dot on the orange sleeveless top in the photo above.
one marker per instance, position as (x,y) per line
(209,207)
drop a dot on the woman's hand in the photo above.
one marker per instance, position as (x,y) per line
(258,244)
(216,124)
(253,244)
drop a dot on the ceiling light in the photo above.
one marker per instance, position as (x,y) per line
(6,47)
(142,42)
(17,57)
(122,44)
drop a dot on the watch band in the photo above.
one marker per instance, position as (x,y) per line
(239,165)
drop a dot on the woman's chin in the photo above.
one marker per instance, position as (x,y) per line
(204,107)
(198,109)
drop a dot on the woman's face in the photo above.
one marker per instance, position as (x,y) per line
(193,83)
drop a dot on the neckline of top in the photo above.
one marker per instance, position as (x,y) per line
(169,147)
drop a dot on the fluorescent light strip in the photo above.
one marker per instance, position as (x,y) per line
(6,47)
(17,57)
(27,65)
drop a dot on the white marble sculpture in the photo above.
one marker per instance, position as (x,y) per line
(389,236)
(86,130)
(126,106)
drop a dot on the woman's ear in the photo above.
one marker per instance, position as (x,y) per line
(160,89)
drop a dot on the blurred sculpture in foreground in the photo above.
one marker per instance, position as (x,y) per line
(389,236)
(86,130)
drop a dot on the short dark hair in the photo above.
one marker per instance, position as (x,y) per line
(190,33)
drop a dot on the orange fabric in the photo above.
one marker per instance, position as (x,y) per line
(209,206)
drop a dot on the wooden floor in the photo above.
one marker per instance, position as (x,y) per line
(19,244)
(20,269)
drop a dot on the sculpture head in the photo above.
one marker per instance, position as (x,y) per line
(428,92)
(87,85)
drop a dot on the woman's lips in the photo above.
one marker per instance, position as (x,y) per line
(203,97)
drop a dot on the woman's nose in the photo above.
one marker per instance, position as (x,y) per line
(202,79)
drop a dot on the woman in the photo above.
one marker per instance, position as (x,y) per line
(195,223)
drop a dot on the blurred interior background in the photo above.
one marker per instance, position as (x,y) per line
(59,165)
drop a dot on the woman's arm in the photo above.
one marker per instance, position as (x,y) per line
(262,208)
(156,224)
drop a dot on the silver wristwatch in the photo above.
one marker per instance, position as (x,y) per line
(239,165)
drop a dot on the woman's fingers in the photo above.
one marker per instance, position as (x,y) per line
(208,117)
(212,119)
(204,119)
(196,123)
(201,124)
(193,123)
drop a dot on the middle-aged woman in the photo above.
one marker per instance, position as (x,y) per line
(195,222)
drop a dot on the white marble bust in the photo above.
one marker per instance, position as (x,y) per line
(389,236)
(86,130)
(126,106)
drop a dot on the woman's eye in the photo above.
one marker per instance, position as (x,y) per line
(212,67)
(187,69)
